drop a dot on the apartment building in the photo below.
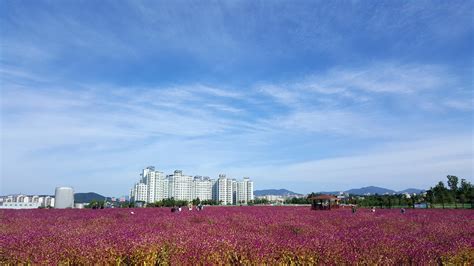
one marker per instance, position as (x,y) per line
(180,186)
(26,201)
(202,188)
(155,186)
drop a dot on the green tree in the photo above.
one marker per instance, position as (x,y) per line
(209,202)
(95,204)
(453,187)
(466,192)
(170,202)
(440,193)
(91,204)
(196,201)
(430,197)
(259,201)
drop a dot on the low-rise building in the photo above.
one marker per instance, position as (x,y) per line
(273,198)
(19,205)
(26,201)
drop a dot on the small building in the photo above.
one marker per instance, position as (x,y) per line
(79,205)
(324,202)
(19,205)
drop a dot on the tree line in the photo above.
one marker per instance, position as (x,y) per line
(171,202)
(457,193)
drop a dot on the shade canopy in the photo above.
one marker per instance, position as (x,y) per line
(323,197)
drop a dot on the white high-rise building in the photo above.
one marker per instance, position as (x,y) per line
(139,192)
(225,190)
(244,191)
(155,186)
(250,189)
(202,188)
(180,186)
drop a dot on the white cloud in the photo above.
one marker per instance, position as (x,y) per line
(340,88)
(399,165)
(283,95)
(217,92)
(225,108)
(387,78)
(332,121)
(460,104)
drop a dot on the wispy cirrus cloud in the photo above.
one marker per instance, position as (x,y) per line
(283,95)
(330,121)
(368,85)
(460,104)
(387,78)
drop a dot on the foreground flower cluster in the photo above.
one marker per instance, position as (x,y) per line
(233,235)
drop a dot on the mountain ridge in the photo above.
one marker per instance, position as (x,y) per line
(277,192)
(354,191)
(87,197)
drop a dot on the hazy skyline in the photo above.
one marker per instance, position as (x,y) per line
(306,95)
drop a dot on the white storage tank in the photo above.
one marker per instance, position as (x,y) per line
(79,205)
(64,198)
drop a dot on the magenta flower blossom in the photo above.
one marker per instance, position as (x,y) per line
(246,235)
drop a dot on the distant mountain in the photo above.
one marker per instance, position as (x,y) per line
(370,190)
(329,192)
(411,191)
(277,192)
(88,197)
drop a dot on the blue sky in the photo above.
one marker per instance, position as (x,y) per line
(303,95)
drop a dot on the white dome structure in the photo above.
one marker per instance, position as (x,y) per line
(64,198)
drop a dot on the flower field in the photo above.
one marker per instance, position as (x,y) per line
(232,235)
